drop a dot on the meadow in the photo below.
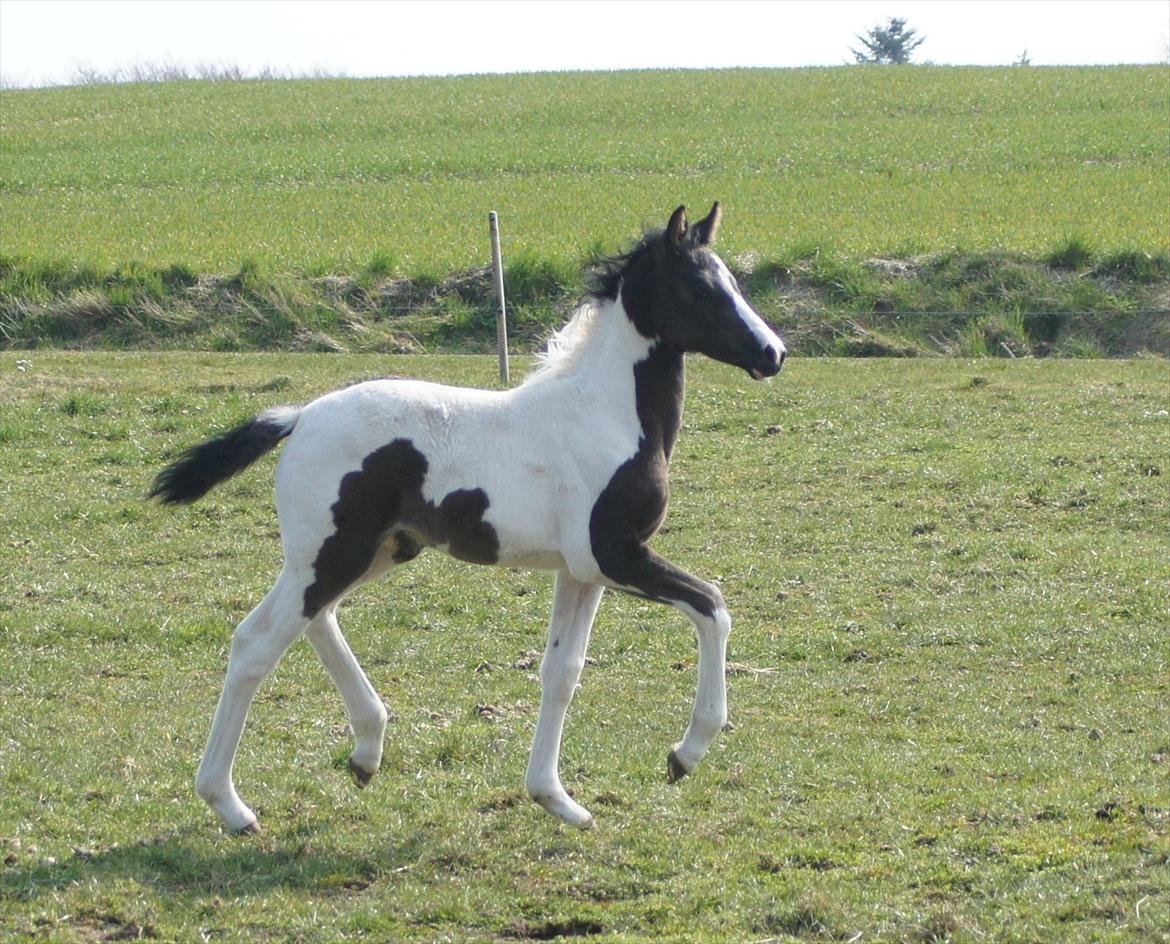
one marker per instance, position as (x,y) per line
(335,176)
(949,679)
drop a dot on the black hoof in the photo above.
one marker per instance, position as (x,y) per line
(675,771)
(252,829)
(361,776)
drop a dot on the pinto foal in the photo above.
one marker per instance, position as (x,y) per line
(567,472)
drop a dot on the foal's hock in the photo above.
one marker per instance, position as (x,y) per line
(567,472)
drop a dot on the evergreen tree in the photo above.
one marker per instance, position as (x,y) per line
(889,44)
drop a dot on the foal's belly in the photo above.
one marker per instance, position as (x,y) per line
(533,560)
(529,537)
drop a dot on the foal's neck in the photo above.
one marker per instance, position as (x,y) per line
(659,383)
(611,359)
(659,390)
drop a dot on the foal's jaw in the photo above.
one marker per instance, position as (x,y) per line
(759,350)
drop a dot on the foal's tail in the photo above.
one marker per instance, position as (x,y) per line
(203,466)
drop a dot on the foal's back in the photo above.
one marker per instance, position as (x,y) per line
(492,477)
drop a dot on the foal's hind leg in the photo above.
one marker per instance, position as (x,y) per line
(259,642)
(574,606)
(367,714)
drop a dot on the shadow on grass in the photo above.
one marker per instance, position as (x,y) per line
(185,863)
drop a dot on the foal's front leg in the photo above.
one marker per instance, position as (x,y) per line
(574,607)
(648,574)
(709,714)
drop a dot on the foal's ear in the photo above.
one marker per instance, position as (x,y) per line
(704,231)
(676,229)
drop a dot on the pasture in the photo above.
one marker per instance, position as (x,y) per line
(332,177)
(1013,209)
(949,678)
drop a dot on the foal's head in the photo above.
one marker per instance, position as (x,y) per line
(677,289)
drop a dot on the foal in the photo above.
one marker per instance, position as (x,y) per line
(567,472)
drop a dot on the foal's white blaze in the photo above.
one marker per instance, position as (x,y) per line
(758,327)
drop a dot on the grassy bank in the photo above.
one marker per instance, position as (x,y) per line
(1071,302)
(948,681)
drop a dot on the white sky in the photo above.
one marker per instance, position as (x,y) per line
(49,41)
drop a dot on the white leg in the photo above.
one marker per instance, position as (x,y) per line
(641,570)
(367,714)
(259,642)
(709,714)
(574,606)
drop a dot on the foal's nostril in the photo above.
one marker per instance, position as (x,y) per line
(783,354)
(769,363)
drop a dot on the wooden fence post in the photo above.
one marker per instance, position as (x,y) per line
(502,313)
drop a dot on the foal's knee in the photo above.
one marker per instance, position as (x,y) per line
(715,628)
(558,680)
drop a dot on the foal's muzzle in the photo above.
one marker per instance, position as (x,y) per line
(770,362)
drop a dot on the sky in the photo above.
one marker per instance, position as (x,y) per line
(49,42)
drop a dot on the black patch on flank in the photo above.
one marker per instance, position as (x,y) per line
(633,505)
(406,548)
(458,523)
(382,502)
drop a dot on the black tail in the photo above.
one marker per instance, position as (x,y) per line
(203,466)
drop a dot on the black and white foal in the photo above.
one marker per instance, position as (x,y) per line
(567,472)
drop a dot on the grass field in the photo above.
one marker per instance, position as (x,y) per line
(1015,210)
(949,682)
(333,176)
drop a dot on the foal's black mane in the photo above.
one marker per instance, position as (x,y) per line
(605,274)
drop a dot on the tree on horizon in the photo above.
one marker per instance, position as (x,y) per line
(891,44)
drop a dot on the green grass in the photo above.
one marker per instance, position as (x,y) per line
(976,304)
(332,176)
(948,689)
(1028,208)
